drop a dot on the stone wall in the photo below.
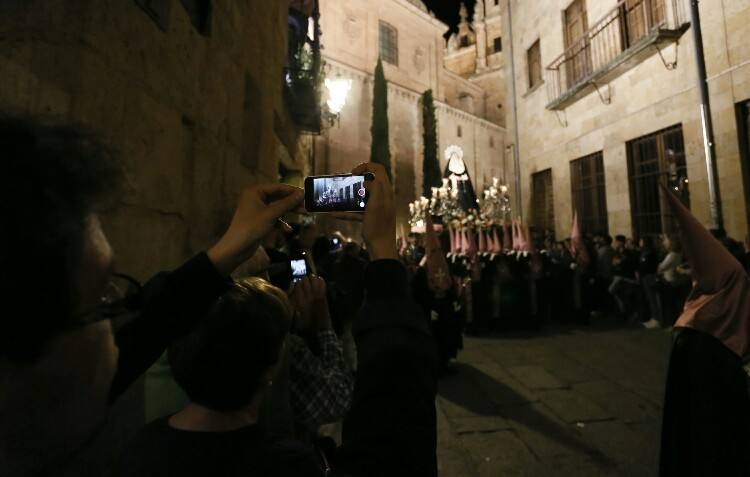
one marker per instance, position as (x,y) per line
(646,99)
(195,117)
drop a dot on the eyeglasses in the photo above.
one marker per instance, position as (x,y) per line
(118,302)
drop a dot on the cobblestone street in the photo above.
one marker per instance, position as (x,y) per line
(566,401)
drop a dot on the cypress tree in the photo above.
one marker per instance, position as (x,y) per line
(431,176)
(380,150)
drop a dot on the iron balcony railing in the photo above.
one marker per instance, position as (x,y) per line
(626,30)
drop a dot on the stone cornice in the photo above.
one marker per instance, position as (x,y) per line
(424,15)
(460,78)
(408,93)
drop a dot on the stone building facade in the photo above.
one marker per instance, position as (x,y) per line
(417,61)
(191,99)
(614,91)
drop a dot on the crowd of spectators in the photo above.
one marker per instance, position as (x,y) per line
(330,373)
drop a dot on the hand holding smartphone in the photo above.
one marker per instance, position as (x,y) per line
(337,193)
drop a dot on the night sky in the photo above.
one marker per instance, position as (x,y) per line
(447,10)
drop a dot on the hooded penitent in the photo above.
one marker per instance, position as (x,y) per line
(459,244)
(471,249)
(577,247)
(719,304)
(507,239)
(404,241)
(438,273)
(452,235)
(466,243)
(496,246)
(482,241)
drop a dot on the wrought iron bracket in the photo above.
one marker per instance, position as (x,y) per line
(562,117)
(606,99)
(669,65)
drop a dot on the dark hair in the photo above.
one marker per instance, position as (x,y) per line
(607,239)
(53,177)
(621,238)
(221,363)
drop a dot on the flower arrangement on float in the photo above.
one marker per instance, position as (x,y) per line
(493,210)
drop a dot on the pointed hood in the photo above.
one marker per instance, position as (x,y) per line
(527,245)
(471,249)
(719,304)
(404,242)
(507,239)
(465,244)
(575,234)
(438,273)
(577,246)
(452,235)
(482,241)
(496,245)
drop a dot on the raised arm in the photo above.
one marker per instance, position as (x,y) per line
(172,302)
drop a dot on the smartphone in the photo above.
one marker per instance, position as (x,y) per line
(339,193)
(299,269)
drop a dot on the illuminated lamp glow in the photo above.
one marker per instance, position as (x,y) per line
(338,90)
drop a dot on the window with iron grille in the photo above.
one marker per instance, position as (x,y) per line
(543,201)
(388,43)
(589,193)
(534,63)
(657,157)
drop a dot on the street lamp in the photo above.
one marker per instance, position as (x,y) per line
(338,89)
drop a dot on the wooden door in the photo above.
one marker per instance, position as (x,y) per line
(544,201)
(576,43)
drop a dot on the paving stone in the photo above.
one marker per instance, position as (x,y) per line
(459,396)
(467,425)
(573,407)
(568,369)
(545,434)
(474,354)
(535,377)
(453,458)
(616,383)
(501,454)
(501,387)
(634,455)
(622,403)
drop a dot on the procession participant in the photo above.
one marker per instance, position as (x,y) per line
(706,424)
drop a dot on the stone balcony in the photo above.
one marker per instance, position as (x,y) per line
(626,36)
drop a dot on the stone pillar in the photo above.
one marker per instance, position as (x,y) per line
(481,30)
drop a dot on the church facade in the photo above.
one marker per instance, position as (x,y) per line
(465,73)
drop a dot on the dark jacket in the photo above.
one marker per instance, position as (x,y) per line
(171,303)
(391,426)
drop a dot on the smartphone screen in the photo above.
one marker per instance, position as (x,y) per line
(299,269)
(341,193)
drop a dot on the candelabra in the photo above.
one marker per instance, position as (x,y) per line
(495,207)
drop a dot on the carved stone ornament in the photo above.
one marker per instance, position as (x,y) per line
(352,25)
(420,59)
